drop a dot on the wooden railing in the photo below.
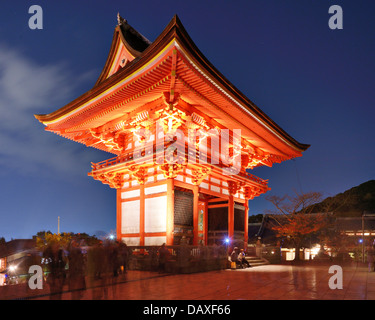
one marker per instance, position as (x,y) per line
(129,156)
(256,179)
(181,259)
(111,162)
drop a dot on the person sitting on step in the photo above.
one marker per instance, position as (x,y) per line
(242,259)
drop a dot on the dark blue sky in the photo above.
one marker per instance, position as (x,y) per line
(316,83)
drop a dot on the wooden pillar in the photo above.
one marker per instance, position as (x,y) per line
(248,196)
(231,218)
(118,213)
(205,226)
(170,211)
(195,214)
(246,222)
(142,215)
(233,188)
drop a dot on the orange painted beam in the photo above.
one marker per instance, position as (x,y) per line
(224,205)
(155,234)
(130,235)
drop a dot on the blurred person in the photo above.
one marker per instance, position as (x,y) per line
(123,253)
(56,266)
(242,259)
(113,265)
(77,282)
(163,257)
(97,267)
(371,258)
(234,257)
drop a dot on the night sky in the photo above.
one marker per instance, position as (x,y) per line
(315,83)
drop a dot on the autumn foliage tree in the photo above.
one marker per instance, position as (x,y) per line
(48,239)
(294,219)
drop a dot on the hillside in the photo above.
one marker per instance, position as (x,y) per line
(352,202)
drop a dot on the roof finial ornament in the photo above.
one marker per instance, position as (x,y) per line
(120,20)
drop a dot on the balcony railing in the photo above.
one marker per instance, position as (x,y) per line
(129,156)
(111,162)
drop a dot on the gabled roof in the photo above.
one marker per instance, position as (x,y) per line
(147,76)
(127,45)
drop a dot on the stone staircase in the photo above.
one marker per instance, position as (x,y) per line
(257,261)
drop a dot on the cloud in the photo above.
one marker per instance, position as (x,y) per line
(26,88)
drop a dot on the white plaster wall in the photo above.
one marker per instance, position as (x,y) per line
(130,215)
(215,180)
(155,241)
(130,194)
(131,241)
(204,185)
(156,189)
(156,214)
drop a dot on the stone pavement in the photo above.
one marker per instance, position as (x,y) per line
(269,282)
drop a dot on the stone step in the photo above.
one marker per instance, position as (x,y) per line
(256,261)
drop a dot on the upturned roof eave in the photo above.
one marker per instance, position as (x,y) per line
(174,30)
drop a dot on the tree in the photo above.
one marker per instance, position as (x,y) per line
(45,238)
(295,219)
(61,239)
(256,218)
(338,241)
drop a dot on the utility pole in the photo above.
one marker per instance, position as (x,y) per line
(58,225)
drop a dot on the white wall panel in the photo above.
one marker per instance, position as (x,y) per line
(131,241)
(156,189)
(155,241)
(204,185)
(156,214)
(130,215)
(130,194)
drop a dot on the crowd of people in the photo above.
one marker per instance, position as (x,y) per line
(100,266)
(97,268)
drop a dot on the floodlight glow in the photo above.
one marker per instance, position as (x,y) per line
(226,240)
(12,268)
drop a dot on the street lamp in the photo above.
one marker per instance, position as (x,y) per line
(12,272)
(12,268)
(227,241)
